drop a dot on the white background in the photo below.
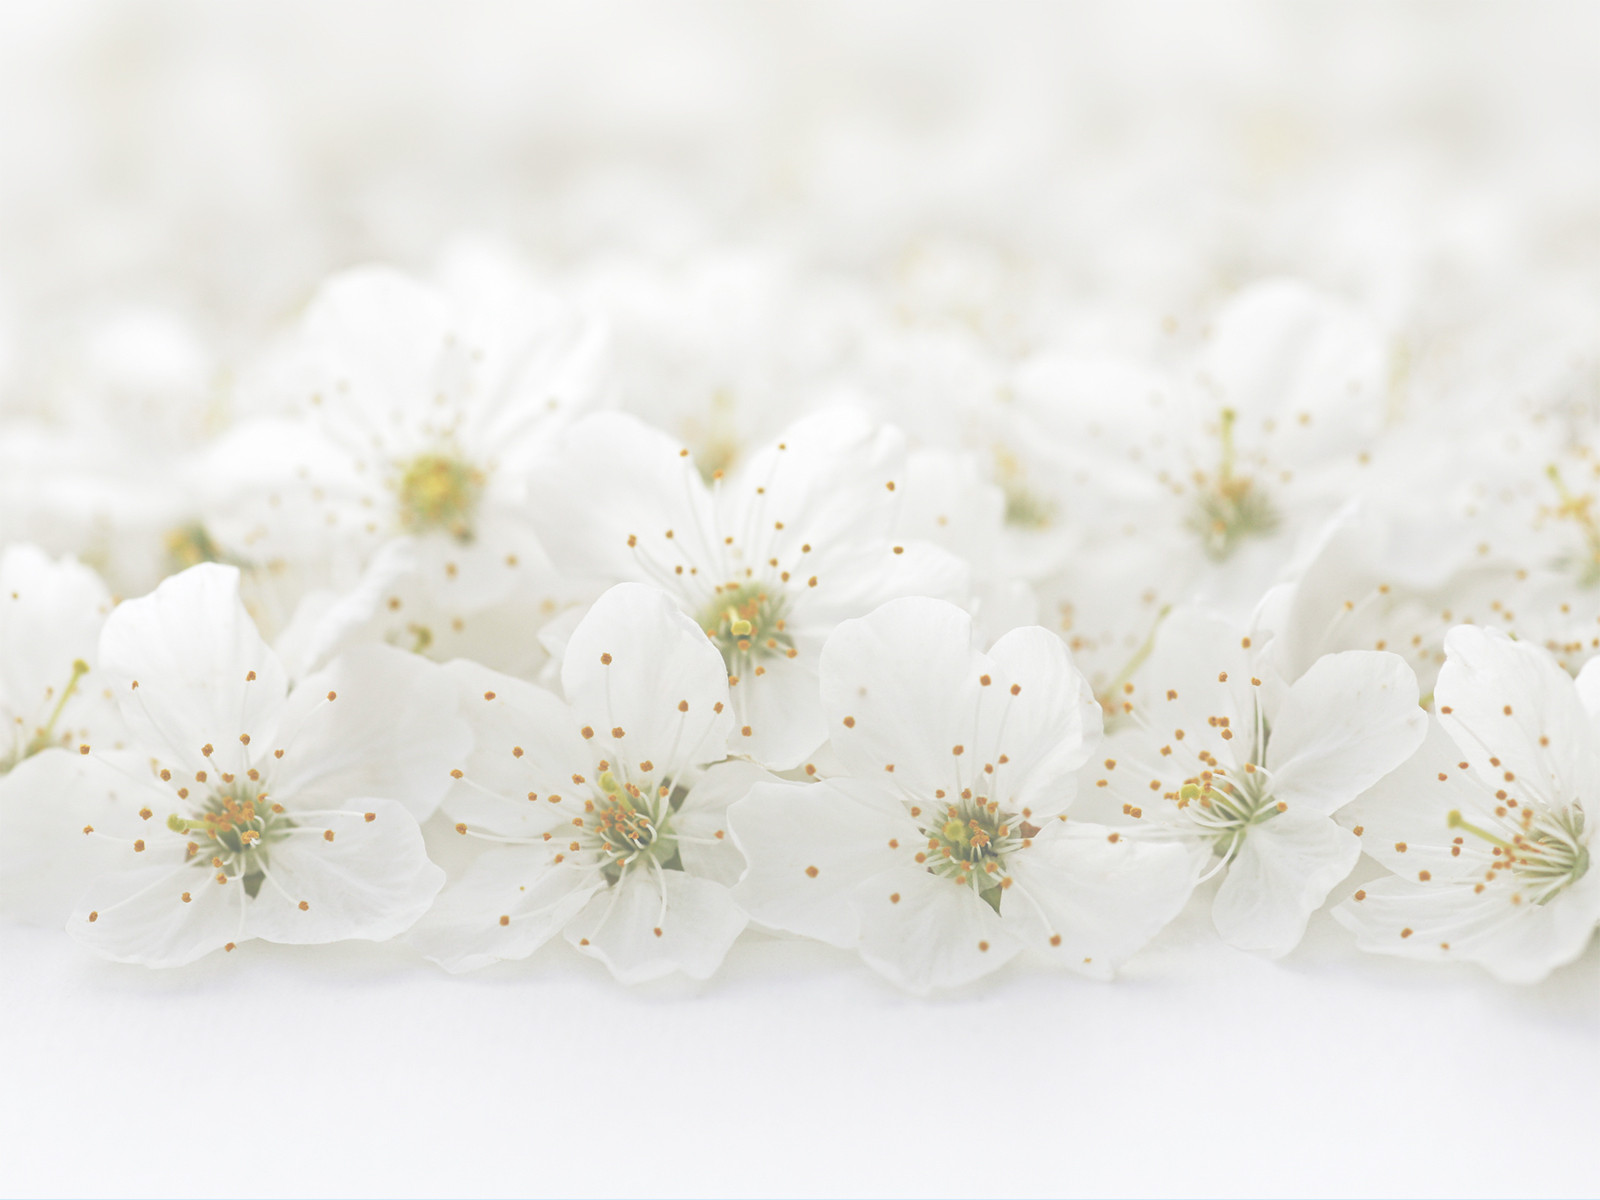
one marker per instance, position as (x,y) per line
(357,1069)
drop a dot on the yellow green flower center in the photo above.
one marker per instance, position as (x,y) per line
(746,622)
(234,833)
(1230,507)
(1580,510)
(439,493)
(1544,852)
(968,843)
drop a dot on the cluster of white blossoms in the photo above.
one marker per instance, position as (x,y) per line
(457,632)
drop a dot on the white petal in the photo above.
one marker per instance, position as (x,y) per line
(900,689)
(1280,349)
(924,931)
(383,332)
(1588,684)
(705,846)
(1345,724)
(1103,900)
(510,902)
(613,478)
(782,710)
(204,675)
(825,477)
(1048,728)
(809,847)
(1517,943)
(526,744)
(392,730)
(1405,817)
(140,914)
(908,696)
(648,681)
(1512,700)
(1280,876)
(654,923)
(372,880)
(1194,688)
(855,577)
(46,802)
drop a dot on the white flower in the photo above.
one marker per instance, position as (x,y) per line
(408,412)
(1489,829)
(609,829)
(767,560)
(946,851)
(1247,773)
(285,815)
(1196,488)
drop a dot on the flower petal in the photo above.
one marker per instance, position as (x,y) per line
(391,730)
(1513,703)
(1345,724)
(526,744)
(648,681)
(1404,818)
(1281,875)
(705,846)
(901,689)
(1048,728)
(1091,903)
(936,934)
(809,847)
(204,676)
(605,501)
(140,914)
(510,902)
(1517,943)
(46,803)
(782,712)
(650,925)
(371,880)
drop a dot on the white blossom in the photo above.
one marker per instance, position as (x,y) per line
(603,821)
(1246,771)
(767,560)
(1488,829)
(289,815)
(947,849)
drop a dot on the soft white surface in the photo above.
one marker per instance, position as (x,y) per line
(359,1070)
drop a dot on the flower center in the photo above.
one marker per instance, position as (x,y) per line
(1226,809)
(234,833)
(1580,511)
(188,546)
(968,843)
(439,493)
(628,825)
(1230,507)
(1543,852)
(746,622)
(1025,509)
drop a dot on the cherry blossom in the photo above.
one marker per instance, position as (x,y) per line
(947,850)
(767,559)
(1487,829)
(262,811)
(601,818)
